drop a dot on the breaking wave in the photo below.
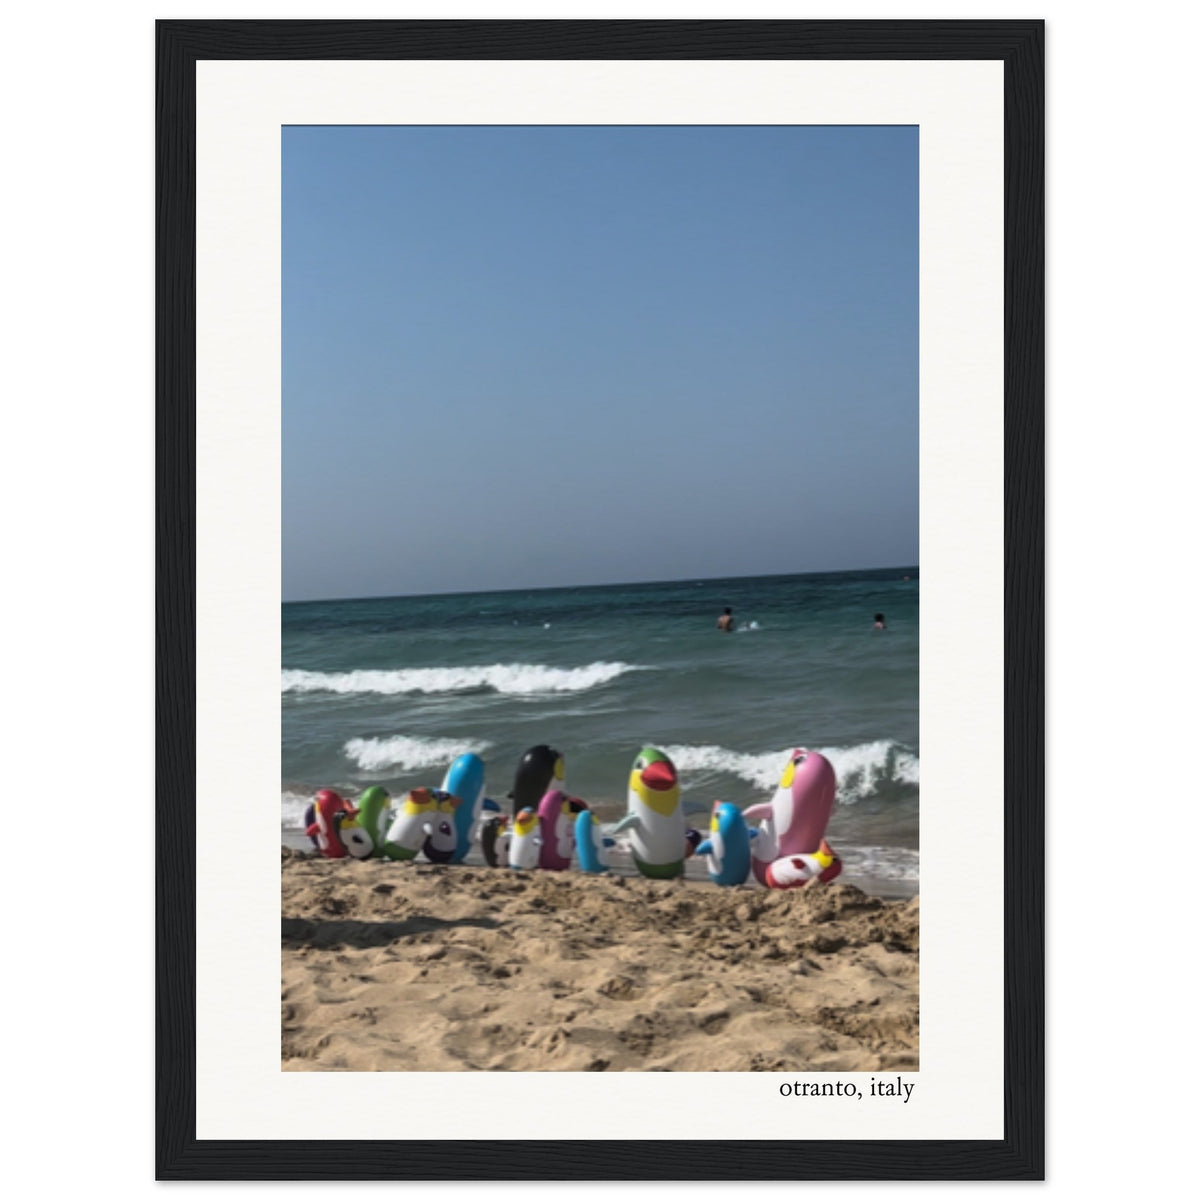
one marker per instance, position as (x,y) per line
(408,753)
(509,679)
(861,770)
(293,807)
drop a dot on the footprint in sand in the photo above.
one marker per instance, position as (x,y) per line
(712,1023)
(639,1035)
(620,987)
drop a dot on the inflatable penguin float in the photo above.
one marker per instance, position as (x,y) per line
(556,814)
(525,844)
(590,844)
(657,833)
(540,769)
(494,836)
(727,847)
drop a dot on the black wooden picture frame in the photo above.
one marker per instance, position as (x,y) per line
(1019,1154)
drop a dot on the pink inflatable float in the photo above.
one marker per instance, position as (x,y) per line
(789,849)
(556,817)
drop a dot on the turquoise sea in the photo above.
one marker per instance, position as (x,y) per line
(390,691)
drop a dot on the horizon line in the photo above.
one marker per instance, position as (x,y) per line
(560,587)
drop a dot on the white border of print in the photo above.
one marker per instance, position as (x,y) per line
(241,1090)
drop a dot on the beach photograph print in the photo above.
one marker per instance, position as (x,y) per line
(601,599)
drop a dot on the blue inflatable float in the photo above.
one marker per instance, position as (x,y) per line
(464,779)
(591,846)
(727,847)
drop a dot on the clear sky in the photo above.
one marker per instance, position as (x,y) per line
(542,356)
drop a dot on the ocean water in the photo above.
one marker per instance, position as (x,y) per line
(390,691)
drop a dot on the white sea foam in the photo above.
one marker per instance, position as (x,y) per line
(293,805)
(408,753)
(860,769)
(882,862)
(510,679)
(762,770)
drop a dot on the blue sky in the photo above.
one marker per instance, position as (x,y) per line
(544,356)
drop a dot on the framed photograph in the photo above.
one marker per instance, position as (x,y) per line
(600,495)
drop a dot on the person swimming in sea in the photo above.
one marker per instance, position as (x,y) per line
(880,623)
(725,621)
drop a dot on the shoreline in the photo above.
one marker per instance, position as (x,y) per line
(424,967)
(695,871)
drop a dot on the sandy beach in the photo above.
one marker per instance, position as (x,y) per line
(420,967)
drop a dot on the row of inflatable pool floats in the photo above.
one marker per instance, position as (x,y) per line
(782,841)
